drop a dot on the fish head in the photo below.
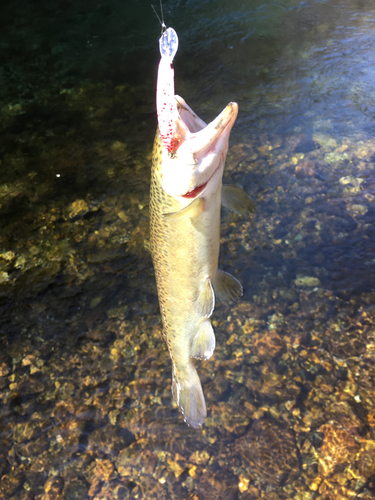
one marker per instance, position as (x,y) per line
(195,164)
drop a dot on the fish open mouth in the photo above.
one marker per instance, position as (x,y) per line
(197,190)
(194,192)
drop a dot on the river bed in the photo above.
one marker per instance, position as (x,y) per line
(85,380)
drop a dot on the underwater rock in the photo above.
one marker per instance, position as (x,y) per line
(366,462)
(53,486)
(343,413)
(269,449)
(110,439)
(356,210)
(4,277)
(305,146)
(224,416)
(268,345)
(129,459)
(9,484)
(324,140)
(305,169)
(307,281)
(78,208)
(338,448)
(75,489)
(8,256)
(221,486)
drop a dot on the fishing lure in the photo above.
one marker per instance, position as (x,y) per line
(165,104)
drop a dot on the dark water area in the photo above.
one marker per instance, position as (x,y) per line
(85,380)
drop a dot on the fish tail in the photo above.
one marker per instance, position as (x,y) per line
(188,394)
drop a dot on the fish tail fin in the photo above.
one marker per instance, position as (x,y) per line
(188,394)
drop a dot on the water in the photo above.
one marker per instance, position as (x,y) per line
(85,405)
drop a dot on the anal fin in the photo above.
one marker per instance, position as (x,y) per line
(205,303)
(204,342)
(227,288)
(236,200)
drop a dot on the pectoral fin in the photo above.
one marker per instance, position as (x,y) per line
(205,303)
(235,199)
(192,210)
(204,342)
(227,288)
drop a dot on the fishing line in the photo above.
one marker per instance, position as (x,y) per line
(161,21)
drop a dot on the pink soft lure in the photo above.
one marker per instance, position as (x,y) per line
(165,100)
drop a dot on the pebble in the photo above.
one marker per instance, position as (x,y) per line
(356,209)
(78,208)
(310,281)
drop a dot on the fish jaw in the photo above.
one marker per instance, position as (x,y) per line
(188,120)
(200,150)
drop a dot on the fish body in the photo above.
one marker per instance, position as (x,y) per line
(185,204)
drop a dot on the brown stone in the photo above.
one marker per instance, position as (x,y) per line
(268,345)
(338,448)
(269,449)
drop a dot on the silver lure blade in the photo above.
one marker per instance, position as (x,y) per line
(168,43)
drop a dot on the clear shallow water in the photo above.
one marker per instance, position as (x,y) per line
(85,409)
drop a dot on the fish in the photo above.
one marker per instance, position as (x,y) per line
(186,194)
